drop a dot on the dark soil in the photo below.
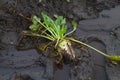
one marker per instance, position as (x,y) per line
(98,26)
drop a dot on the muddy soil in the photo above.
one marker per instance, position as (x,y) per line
(98,26)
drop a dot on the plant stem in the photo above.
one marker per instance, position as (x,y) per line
(102,53)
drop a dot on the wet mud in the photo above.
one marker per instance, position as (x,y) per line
(98,25)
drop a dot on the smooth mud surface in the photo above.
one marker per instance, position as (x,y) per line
(98,25)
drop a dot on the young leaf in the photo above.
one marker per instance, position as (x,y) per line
(34,27)
(60,20)
(35,19)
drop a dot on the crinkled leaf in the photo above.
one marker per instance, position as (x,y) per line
(56,28)
(47,20)
(60,23)
(60,20)
(49,24)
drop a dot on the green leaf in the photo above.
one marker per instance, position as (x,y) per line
(39,1)
(49,24)
(68,0)
(64,29)
(56,29)
(60,20)
(114,58)
(34,27)
(61,28)
(74,23)
(35,19)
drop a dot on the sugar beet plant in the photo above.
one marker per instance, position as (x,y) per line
(56,32)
